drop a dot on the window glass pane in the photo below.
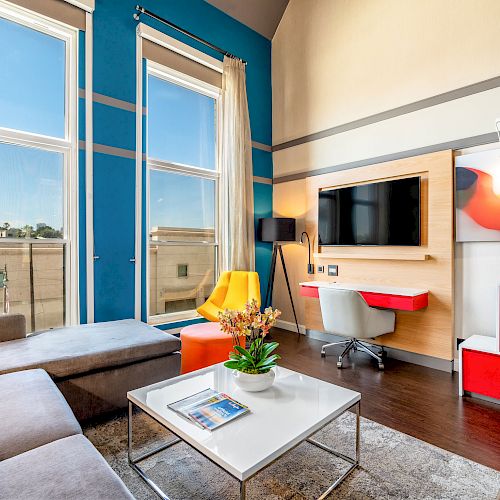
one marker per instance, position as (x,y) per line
(181,125)
(170,292)
(32,283)
(182,207)
(32,80)
(31,196)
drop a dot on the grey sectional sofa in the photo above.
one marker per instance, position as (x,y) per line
(93,365)
(43,453)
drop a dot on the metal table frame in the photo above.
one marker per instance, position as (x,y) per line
(133,462)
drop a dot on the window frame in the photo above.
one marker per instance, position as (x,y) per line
(172,76)
(67,146)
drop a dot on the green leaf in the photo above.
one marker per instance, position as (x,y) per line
(267,361)
(245,353)
(254,347)
(245,363)
(269,348)
(231,364)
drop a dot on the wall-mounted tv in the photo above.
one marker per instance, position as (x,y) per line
(380,213)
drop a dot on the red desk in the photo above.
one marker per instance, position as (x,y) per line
(387,297)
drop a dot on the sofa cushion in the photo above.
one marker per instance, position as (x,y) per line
(69,468)
(75,350)
(32,413)
(12,326)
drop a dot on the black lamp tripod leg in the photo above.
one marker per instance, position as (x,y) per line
(288,286)
(270,283)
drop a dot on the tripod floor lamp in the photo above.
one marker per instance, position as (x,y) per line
(276,230)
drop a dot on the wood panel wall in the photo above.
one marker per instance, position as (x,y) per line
(429,331)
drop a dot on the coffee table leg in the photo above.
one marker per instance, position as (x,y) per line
(133,461)
(243,489)
(353,461)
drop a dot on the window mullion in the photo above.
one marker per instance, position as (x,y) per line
(27,139)
(182,169)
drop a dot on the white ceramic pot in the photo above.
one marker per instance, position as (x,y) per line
(254,382)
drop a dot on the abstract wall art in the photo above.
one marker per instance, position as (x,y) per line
(477,201)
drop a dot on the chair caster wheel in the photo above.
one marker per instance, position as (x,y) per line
(323,354)
(381,366)
(339,364)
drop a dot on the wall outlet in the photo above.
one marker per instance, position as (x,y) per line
(333,270)
(321,269)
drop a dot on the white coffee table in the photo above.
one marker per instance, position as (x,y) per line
(290,412)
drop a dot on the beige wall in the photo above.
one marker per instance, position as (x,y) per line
(335,61)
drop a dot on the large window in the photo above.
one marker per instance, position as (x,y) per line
(183,192)
(37,169)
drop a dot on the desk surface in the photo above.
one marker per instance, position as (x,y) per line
(363,287)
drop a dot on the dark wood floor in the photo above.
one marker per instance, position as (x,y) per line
(418,401)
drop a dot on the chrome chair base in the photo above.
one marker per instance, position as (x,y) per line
(355,345)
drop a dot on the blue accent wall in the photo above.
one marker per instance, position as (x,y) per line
(114,65)
(114,242)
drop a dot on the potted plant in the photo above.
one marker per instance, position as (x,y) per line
(252,360)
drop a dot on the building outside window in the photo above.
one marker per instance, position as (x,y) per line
(183,184)
(38,155)
(182,270)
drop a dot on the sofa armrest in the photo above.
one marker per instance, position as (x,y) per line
(12,327)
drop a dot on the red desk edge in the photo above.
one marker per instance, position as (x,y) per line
(383,300)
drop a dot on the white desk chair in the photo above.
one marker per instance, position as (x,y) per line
(346,313)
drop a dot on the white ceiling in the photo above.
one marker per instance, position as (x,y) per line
(263,16)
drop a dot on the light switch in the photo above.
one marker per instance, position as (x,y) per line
(333,270)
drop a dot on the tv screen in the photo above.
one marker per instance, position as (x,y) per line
(381,213)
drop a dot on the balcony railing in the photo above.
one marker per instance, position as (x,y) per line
(32,282)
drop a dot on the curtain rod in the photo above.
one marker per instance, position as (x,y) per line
(146,12)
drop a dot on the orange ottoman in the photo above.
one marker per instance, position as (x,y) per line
(204,344)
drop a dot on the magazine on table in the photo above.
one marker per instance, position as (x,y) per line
(209,409)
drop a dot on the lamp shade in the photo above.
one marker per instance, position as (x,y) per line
(276,229)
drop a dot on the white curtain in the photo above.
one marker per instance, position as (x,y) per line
(237,219)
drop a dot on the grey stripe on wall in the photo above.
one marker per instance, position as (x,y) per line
(111,150)
(452,95)
(467,142)
(130,154)
(111,101)
(262,180)
(263,147)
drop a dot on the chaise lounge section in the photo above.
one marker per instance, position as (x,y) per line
(93,365)
(43,453)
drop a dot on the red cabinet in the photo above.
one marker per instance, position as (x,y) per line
(481,372)
(480,366)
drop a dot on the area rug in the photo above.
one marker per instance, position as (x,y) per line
(393,466)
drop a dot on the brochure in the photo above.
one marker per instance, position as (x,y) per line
(209,409)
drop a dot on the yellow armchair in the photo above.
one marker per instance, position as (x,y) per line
(233,290)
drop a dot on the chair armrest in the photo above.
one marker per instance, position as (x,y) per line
(12,327)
